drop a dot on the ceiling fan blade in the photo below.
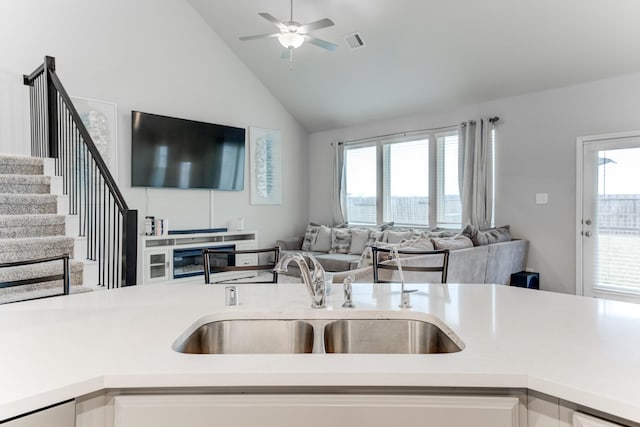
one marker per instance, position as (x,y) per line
(259,36)
(323,23)
(281,26)
(321,43)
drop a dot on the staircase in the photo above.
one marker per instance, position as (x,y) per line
(65,190)
(31,227)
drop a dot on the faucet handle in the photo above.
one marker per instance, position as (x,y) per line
(405,298)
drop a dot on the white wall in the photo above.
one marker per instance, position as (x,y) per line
(159,56)
(535,154)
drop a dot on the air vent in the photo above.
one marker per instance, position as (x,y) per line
(354,41)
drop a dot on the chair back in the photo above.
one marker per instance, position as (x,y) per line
(243,260)
(411,261)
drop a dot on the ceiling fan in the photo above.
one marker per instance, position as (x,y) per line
(293,34)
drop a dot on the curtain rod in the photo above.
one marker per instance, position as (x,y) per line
(491,120)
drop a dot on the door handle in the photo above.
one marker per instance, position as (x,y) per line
(587,233)
(588,222)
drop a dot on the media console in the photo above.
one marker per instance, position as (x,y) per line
(178,257)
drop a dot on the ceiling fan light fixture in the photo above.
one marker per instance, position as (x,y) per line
(291,40)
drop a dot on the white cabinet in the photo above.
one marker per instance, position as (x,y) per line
(315,410)
(583,420)
(178,257)
(62,415)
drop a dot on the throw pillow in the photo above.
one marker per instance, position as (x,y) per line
(340,241)
(310,236)
(422,243)
(395,236)
(452,243)
(359,238)
(385,225)
(374,236)
(488,236)
(323,240)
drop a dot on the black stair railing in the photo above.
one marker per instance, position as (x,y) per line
(57,131)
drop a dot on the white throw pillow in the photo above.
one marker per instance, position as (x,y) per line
(359,238)
(323,240)
(396,236)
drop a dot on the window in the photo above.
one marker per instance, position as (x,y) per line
(361,184)
(405,177)
(449,208)
(412,181)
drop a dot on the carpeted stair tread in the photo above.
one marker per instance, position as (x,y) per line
(23,249)
(26,204)
(43,269)
(43,291)
(18,226)
(25,184)
(21,165)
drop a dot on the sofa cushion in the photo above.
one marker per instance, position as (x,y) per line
(322,243)
(310,236)
(488,236)
(359,238)
(452,243)
(338,262)
(340,241)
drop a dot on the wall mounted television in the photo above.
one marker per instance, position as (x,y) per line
(168,152)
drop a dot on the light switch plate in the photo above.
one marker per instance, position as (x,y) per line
(542,198)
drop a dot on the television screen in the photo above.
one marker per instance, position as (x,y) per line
(177,153)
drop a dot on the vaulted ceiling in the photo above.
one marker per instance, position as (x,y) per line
(427,55)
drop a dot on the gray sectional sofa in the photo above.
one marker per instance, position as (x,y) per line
(484,261)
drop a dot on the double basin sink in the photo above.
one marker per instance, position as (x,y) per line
(291,336)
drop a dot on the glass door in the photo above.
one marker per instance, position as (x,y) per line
(609,218)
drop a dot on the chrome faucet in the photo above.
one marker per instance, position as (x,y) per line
(405,295)
(313,281)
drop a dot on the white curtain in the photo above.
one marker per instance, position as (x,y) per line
(475,173)
(337,193)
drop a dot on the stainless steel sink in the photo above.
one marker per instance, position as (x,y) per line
(386,336)
(254,336)
(291,336)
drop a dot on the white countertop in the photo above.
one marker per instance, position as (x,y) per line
(582,350)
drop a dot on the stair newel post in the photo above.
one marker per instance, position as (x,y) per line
(52,107)
(129,246)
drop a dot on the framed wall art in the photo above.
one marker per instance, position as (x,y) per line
(265,153)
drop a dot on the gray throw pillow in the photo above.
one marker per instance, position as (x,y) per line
(310,236)
(374,236)
(488,236)
(340,241)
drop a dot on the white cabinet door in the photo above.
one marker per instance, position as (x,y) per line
(315,411)
(157,265)
(59,416)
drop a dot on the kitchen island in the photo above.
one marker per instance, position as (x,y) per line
(583,352)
